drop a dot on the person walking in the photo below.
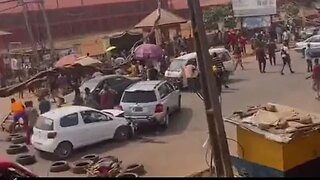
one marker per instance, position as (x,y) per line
(308,57)
(18,111)
(32,116)
(243,42)
(237,56)
(261,58)
(286,58)
(78,100)
(316,78)
(272,51)
(152,73)
(286,37)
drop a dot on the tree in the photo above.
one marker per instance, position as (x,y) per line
(215,15)
(291,10)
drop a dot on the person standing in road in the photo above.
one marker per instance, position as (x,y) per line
(44,105)
(152,73)
(107,97)
(261,57)
(316,78)
(18,111)
(308,57)
(286,58)
(191,73)
(243,42)
(32,116)
(237,56)
(286,37)
(272,52)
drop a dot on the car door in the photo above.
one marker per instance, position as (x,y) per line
(174,96)
(71,130)
(165,96)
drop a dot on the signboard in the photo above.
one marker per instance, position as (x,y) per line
(247,8)
(256,22)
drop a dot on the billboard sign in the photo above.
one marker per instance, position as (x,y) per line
(256,22)
(249,8)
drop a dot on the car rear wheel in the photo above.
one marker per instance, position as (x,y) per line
(122,133)
(64,150)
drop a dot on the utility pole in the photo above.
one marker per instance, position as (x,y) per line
(217,134)
(46,22)
(29,29)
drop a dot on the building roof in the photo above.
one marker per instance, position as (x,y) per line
(166,18)
(183,4)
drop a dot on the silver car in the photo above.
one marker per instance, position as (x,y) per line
(151,101)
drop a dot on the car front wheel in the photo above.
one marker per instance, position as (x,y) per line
(122,133)
(64,150)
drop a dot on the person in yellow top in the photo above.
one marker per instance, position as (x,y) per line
(18,111)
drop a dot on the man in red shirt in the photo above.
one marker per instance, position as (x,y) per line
(243,42)
(107,97)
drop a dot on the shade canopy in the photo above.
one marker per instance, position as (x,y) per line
(166,18)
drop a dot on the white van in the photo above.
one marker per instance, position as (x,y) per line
(175,72)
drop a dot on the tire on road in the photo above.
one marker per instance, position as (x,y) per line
(79,167)
(63,150)
(109,158)
(18,139)
(135,168)
(16,149)
(122,133)
(92,157)
(127,175)
(9,138)
(26,159)
(59,166)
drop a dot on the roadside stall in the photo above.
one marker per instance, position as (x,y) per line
(276,141)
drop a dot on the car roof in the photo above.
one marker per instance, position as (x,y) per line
(193,55)
(144,86)
(64,111)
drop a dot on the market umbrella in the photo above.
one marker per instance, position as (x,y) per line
(87,61)
(148,52)
(67,60)
(111,48)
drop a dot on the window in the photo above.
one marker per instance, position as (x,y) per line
(69,120)
(93,117)
(139,97)
(170,87)
(163,91)
(44,123)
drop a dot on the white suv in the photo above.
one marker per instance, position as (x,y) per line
(151,101)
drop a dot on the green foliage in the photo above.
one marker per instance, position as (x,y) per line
(230,22)
(291,10)
(213,16)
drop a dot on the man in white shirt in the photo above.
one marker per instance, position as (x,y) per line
(286,58)
(308,58)
(191,74)
(285,37)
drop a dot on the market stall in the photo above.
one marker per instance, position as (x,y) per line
(277,141)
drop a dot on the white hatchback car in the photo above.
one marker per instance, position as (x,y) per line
(62,130)
(150,101)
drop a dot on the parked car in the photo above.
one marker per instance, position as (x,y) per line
(62,130)
(151,101)
(314,41)
(175,72)
(116,82)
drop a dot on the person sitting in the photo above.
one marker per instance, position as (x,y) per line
(18,111)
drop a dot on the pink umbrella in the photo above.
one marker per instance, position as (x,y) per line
(148,52)
(67,60)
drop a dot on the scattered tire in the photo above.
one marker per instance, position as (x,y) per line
(135,168)
(9,138)
(16,149)
(59,166)
(26,159)
(92,157)
(122,133)
(127,175)
(18,139)
(79,167)
(63,151)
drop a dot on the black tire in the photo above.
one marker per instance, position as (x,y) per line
(80,167)
(18,139)
(109,158)
(16,149)
(136,169)
(63,150)
(127,175)
(26,159)
(9,138)
(122,133)
(59,166)
(92,157)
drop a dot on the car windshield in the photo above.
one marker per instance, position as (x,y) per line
(139,97)
(44,123)
(91,84)
(176,65)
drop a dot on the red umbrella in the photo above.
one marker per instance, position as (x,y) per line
(148,52)
(67,60)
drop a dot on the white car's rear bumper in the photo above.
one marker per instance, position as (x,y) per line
(47,146)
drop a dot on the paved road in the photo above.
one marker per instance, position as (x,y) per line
(178,151)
